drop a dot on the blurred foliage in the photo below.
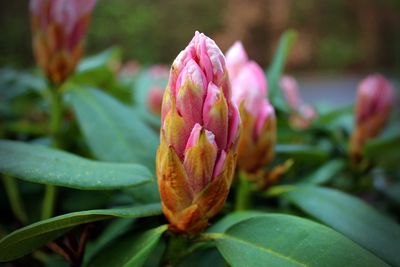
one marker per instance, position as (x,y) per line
(334,32)
(151,31)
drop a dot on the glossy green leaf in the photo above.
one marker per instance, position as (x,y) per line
(275,71)
(45,165)
(283,240)
(333,115)
(132,251)
(115,229)
(393,192)
(103,59)
(204,257)
(382,148)
(301,152)
(25,240)
(113,131)
(232,219)
(326,172)
(352,217)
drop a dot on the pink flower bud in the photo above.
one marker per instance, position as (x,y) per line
(374,101)
(58,28)
(236,58)
(290,90)
(249,91)
(199,132)
(154,99)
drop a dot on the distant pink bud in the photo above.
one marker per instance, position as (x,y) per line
(159,71)
(236,58)
(250,86)
(290,90)
(303,117)
(374,101)
(249,91)
(130,68)
(154,99)
(266,112)
(374,97)
(58,28)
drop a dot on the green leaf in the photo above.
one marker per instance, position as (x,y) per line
(231,219)
(115,229)
(333,115)
(352,217)
(275,71)
(25,240)
(113,131)
(103,59)
(326,172)
(131,251)
(204,257)
(283,240)
(301,152)
(393,192)
(44,165)
(382,148)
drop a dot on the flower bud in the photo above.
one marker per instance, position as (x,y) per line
(58,28)
(154,99)
(290,90)
(199,131)
(302,114)
(303,117)
(374,101)
(249,92)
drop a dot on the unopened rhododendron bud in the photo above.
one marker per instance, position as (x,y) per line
(154,99)
(199,131)
(290,90)
(302,114)
(249,92)
(58,28)
(374,101)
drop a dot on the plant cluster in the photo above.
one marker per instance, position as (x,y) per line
(211,162)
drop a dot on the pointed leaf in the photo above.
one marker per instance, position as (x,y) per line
(277,66)
(352,217)
(131,251)
(25,240)
(39,164)
(283,240)
(113,131)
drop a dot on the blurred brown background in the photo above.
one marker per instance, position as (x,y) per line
(334,35)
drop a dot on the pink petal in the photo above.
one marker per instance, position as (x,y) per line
(266,112)
(220,164)
(250,87)
(236,58)
(290,90)
(191,91)
(213,119)
(234,121)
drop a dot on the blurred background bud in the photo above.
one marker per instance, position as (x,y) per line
(249,91)
(375,95)
(58,29)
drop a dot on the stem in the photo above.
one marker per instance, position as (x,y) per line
(15,199)
(178,247)
(48,201)
(55,123)
(243,192)
(55,116)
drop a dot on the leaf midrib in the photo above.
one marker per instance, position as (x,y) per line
(261,248)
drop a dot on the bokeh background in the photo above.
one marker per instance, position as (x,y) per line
(345,38)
